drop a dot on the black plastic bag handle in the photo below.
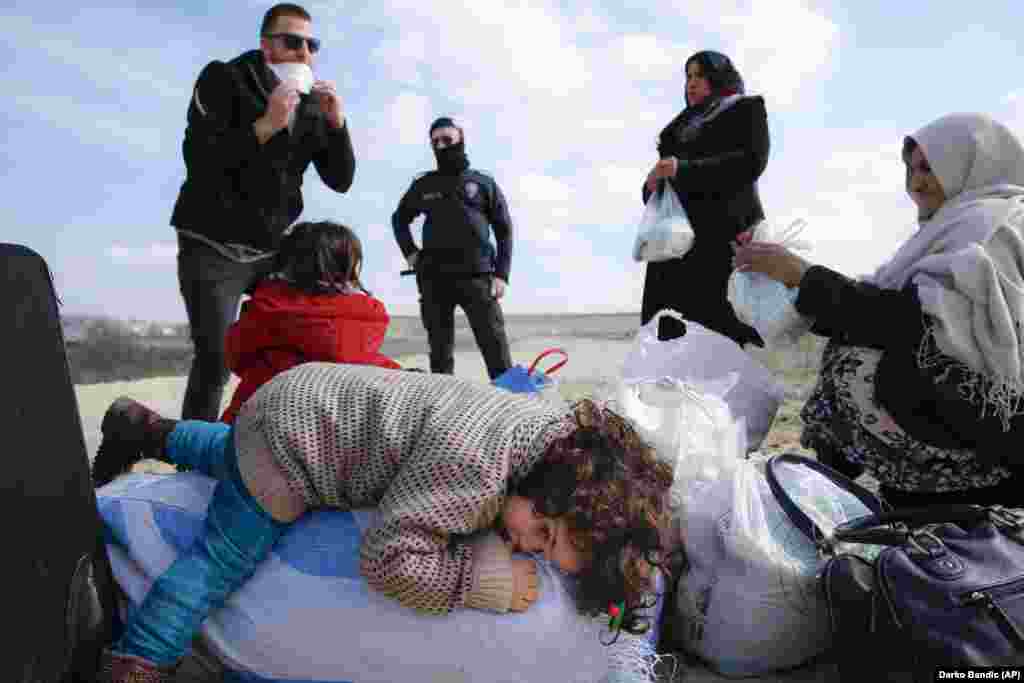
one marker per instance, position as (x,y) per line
(797,516)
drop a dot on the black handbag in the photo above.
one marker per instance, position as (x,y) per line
(947,592)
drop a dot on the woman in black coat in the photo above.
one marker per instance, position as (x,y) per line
(921,383)
(712,154)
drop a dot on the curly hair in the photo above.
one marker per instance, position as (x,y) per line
(605,480)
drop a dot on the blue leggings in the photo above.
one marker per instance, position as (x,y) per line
(238,534)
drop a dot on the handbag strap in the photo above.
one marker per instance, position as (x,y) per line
(797,516)
(554,368)
(867,529)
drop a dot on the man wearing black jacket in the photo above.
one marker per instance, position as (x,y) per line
(458,265)
(250,138)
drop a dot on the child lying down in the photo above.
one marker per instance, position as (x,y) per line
(441,458)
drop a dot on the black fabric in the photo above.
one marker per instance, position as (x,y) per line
(452,160)
(1009,492)
(696,286)
(212,287)
(461,211)
(926,402)
(855,313)
(717,177)
(717,185)
(438,299)
(235,189)
(59,591)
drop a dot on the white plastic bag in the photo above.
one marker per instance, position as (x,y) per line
(690,427)
(714,362)
(665,231)
(750,602)
(765,304)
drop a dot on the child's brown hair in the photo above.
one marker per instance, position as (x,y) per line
(321,258)
(605,480)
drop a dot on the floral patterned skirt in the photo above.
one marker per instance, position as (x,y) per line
(843,417)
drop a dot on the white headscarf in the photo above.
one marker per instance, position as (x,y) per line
(967,259)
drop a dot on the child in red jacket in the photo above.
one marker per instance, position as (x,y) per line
(313,308)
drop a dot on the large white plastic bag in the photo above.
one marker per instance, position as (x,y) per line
(750,602)
(765,304)
(665,231)
(714,362)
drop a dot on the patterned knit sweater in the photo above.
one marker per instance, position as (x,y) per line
(434,453)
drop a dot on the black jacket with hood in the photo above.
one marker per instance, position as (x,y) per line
(237,190)
(926,403)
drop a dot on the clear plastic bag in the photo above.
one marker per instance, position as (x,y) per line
(766,304)
(665,231)
(690,427)
(751,597)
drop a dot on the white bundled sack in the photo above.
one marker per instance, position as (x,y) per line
(765,304)
(713,362)
(750,603)
(308,616)
(665,231)
(690,427)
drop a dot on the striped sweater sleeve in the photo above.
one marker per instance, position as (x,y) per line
(419,552)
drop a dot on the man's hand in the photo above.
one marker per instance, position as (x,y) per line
(525,584)
(330,103)
(498,287)
(283,100)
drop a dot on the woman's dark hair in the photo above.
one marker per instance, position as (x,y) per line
(720,72)
(605,480)
(321,258)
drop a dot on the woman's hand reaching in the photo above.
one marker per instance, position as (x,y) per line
(768,258)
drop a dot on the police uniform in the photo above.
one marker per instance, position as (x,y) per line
(458,262)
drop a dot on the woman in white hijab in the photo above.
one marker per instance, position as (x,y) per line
(922,381)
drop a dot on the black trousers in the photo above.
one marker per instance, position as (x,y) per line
(439,295)
(212,286)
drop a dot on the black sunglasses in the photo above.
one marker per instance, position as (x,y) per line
(448,140)
(293,41)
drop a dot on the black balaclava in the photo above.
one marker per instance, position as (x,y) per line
(722,76)
(451,160)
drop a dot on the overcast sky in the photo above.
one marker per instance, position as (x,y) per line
(561,106)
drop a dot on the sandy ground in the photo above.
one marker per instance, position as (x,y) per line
(592,365)
(592,368)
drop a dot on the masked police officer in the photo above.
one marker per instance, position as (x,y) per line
(457,264)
